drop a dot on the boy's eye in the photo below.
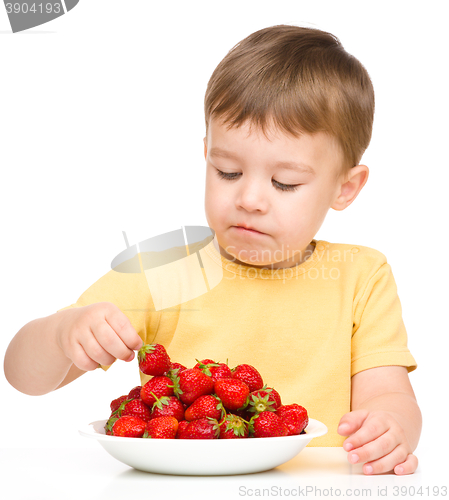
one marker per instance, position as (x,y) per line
(285,187)
(277,185)
(225,175)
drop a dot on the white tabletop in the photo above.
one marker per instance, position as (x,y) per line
(91,473)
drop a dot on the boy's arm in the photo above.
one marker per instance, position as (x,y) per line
(34,363)
(50,352)
(385,422)
(73,373)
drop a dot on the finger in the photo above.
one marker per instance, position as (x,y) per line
(110,342)
(351,422)
(388,462)
(375,449)
(370,430)
(407,467)
(120,323)
(81,359)
(96,351)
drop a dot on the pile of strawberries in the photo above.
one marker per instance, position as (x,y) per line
(208,401)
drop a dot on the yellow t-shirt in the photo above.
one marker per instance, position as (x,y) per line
(307,329)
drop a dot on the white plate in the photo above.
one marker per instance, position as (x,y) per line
(203,457)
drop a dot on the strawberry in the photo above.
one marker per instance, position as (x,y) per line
(263,400)
(233,427)
(295,418)
(168,407)
(135,393)
(129,426)
(135,407)
(205,406)
(161,428)
(193,383)
(203,364)
(203,428)
(117,402)
(232,392)
(275,396)
(249,375)
(177,366)
(214,370)
(156,387)
(181,428)
(221,371)
(153,359)
(267,424)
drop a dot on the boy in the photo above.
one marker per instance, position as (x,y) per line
(288,116)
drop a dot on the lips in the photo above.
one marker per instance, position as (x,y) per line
(248,228)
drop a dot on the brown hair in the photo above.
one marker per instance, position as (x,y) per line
(303,80)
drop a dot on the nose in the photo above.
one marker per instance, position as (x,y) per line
(252,197)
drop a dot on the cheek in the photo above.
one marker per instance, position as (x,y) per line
(216,197)
(317,209)
(213,200)
(305,211)
(209,191)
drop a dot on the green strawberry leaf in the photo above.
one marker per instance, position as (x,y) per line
(146,348)
(110,424)
(119,410)
(175,379)
(164,400)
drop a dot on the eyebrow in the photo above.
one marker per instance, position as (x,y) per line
(301,167)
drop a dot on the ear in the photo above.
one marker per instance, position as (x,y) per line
(205,147)
(350,187)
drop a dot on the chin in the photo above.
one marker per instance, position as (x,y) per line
(248,261)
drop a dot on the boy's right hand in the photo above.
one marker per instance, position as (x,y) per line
(97,334)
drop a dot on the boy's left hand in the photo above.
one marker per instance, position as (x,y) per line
(377,438)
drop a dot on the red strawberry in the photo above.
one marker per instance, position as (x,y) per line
(202,365)
(221,371)
(181,428)
(156,387)
(193,383)
(135,393)
(161,428)
(232,392)
(249,375)
(173,374)
(263,400)
(117,402)
(177,366)
(153,359)
(268,424)
(274,395)
(203,428)
(129,426)
(233,427)
(205,406)
(168,407)
(214,370)
(135,407)
(294,417)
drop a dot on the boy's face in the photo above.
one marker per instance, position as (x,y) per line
(255,195)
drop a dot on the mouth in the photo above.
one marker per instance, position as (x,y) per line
(247,229)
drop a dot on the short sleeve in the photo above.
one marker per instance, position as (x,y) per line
(129,292)
(379,337)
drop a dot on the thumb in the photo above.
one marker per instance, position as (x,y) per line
(351,422)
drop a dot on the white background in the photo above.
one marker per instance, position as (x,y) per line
(101,129)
